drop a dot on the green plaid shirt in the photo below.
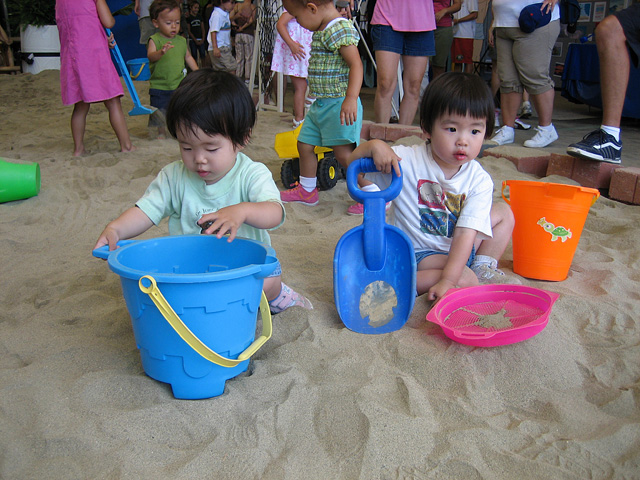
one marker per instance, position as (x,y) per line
(328,74)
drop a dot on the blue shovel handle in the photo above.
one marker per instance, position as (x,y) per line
(117,56)
(373,223)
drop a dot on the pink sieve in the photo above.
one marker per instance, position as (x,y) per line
(492,315)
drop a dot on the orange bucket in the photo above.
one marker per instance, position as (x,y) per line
(549,220)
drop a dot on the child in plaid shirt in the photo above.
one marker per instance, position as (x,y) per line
(334,76)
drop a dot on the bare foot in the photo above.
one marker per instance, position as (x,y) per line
(132,148)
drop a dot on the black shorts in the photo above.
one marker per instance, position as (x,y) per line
(629,18)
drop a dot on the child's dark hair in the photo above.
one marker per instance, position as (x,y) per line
(457,93)
(160,5)
(218,103)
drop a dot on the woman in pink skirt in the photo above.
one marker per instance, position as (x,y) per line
(87,74)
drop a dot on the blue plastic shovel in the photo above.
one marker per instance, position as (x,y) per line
(138,109)
(374,266)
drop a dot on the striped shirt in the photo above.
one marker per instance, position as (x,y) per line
(328,72)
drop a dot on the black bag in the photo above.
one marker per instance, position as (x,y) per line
(569,14)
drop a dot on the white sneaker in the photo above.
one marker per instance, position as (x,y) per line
(503,136)
(542,138)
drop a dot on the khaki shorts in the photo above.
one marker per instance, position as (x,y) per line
(524,58)
(444,38)
(146,29)
(225,62)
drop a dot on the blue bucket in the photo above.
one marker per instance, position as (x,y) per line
(203,334)
(139,69)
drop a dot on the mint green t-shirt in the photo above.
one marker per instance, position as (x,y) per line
(184,197)
(168,72)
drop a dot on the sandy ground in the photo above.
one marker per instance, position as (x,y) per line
(318,401)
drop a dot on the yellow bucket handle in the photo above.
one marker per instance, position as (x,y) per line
(139,72)
(194,342)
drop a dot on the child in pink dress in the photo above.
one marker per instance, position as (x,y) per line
(87,74)
(291,57)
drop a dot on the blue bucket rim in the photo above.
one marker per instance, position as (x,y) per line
(244,271)
(137,61)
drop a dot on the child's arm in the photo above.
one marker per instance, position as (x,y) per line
(455,7)
(130,224)
(461,246)
(106,19)
(214,43)
(297,50)
(467,18)
(153,54)
(190,61)
(383,156)
(349,110)
(261,215)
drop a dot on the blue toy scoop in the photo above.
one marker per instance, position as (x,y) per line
(138,109)
(374,265)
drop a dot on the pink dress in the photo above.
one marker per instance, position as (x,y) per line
(283,60)
(87,73)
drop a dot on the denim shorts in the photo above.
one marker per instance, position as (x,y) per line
(414,44)
(322,127)
(160,98)
(421,255)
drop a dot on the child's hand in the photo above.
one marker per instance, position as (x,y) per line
(216,52)
(439,289)
(297,51)
(108,237)
(227,220)
(166,47)
(349,111)
(385,158)
(111,40)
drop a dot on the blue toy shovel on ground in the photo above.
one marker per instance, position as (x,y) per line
(374,266)
(138,109)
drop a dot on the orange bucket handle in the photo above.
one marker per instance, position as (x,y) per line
(593,191)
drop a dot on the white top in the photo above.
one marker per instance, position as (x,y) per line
(184,197)
(429,206)
(466,29)
(220,23)
(507,12)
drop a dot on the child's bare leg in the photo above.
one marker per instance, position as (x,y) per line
(78,125)
(430,272)
(299,92)
(502,223)
(308,160)
(489,251)
(281,296)
(119,124)
(342,153)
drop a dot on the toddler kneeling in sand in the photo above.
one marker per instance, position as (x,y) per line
(211,114)
(445,206)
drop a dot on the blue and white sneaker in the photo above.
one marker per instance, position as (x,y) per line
(597,145)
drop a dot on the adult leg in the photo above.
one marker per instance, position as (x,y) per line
(78,125)
(543,103)
(387,70)
(614,69)
(119,124)
(412,74)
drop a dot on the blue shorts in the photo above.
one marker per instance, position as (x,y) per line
(421,255)
(322,127)
(414,44)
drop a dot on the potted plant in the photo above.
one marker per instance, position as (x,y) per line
(39,40)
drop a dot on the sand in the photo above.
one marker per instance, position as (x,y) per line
(318,401)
